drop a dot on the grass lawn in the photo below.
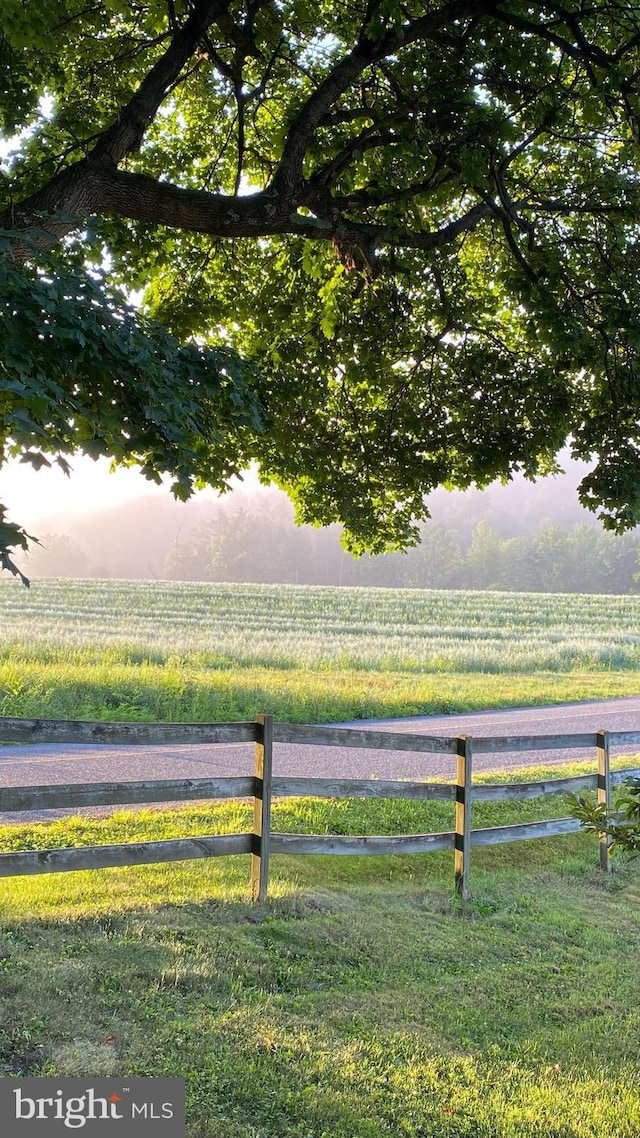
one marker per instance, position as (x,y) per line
(92,689)
(360,1002)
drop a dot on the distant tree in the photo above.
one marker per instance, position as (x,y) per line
(244,544)
(57,555)
(582,560)
(326,562)
(233,547)
(549,560)
(188,560)
(586,569)
(620,553)
(252,543)
(437,562)
(520,565)
(483,566)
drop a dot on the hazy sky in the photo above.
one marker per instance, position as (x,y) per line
(30,495)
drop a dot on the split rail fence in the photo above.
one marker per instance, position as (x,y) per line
(263,786)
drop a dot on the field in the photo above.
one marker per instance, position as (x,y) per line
(361,1001)
(159,650)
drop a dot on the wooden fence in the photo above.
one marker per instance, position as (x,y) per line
(263,786)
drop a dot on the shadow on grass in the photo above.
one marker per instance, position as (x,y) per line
(360,1002)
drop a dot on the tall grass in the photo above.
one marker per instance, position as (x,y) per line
(156,650)
(286,626)
(181,693)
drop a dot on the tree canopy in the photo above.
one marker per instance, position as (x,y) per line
(417,219)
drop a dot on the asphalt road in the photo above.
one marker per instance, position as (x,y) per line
(24,765)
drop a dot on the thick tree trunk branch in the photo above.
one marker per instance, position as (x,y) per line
(88,188)
(72,193)
(141,198)
(95,185)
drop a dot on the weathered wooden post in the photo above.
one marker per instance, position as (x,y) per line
(262,808)
(604,793)
(462,841)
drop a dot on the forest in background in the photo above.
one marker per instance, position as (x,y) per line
(531,537)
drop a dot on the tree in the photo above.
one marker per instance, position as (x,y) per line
(437,563)
(260,542)
(484,561)
(58,555)
(417,220)
(79,370)
(249,545)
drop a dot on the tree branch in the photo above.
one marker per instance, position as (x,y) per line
(125,136)
(94,184)
(369,139)
(64,193)
(587,53)
(139,197)
(370,198)
(366,52)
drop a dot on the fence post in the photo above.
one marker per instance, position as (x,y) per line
(604,793)
(262,808)
(462,841)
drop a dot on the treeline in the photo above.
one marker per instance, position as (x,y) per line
(260,547)
(254,539)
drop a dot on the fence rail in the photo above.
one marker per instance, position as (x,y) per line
(14,730)
(263,786)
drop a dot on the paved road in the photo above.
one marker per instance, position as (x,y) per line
(55,763)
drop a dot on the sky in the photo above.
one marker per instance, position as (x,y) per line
(30,495)
(39,499)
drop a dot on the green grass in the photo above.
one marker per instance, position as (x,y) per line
(360,1002)
(178,651)
(61,689)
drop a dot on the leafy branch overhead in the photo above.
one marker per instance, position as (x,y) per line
(80,371)
(418,220)
(11,537)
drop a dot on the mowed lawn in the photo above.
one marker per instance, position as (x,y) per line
(361,1001)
